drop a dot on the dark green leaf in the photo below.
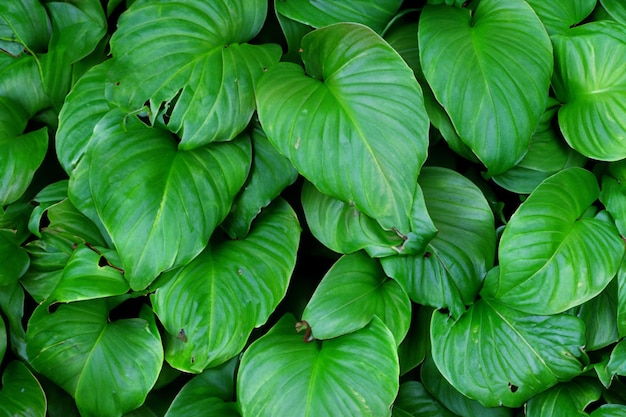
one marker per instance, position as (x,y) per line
(616,9)
(353,375)
(491,72)
(211,305)
(373,143)
(414,400)
(29,22)
(79,349)
(13,258)
(600,317)
(21,394)
(565,399)
(508,356)
(353,291)
(3,339)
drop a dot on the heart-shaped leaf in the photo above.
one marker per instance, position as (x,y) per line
(553,257)
(79,349)
(372,141)
(376,15)
(353,375)
(565,399)
(508,356)
(210,394)
(21,394)
(270,174)
(558,16)
(191,52)
(351,293)
(160,205)
(450,271)
(211,305)
(490,69)
(20,153)
(590,82)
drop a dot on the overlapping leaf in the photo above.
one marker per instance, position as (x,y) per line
(373,143)
(13,258)
(21,393)
(552,257)
(616,9)
(414,401)
(29,22)
(490,70)
(560,15)
(590,82)
(211,305)
(508,356)
(351,293)
(192,52)
(159,205)
(564,400)
(353,375)
(450,271)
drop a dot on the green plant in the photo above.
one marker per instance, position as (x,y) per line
(237,208)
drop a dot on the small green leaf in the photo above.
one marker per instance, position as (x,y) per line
(508,356)
(79,349)
(590,82)
(544,241)
(210,394)
(450,271)
(502,57)
(177,198)
(373,143)
(352,375)
(565,399)
(353,291)
(321,13)
(558,16)
(210,306)
(21,394)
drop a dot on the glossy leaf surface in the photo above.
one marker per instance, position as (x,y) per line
(558,16)
(355,374)
(21,393)
(565,399)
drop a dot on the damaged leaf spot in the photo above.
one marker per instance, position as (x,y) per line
(182,336)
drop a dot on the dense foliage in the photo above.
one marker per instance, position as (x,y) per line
(312,208)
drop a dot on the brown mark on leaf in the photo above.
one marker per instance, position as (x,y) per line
(308,332)
(182,336)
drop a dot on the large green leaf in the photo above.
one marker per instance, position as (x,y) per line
(192,51)
(558,16)
(353,375)
(590,82)
(441,390)
(490,69)
(553,256)
(21,394)
(108,367)
(450,272)
(159,204)
(565,399)
(376,14)
(83,108)
(211,305)
(270,174)
(413,400)
(13,258)
(210,394)
(508,356)
(353,291)
(372,141)
(20,153)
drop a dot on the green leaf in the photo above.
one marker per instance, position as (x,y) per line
(270,174)
(321,13)
(588,79)
(413,348)
(414,400)
(211,305)
(13,258)
(3,339)
(210,394)
(353,375)
(621,300)
(12,307)
(446,394)
(450,272)
(20,82)
(600,317)
(508,356)
(545,240)
(616,9)
(558,16)
(79,349)
(501,56)
(617,362)
(29,22)
(191,52)
(344,110)
(158,183)
(613,194)
(565,399)
(20,153)
(353,291)
(21,394)
(84,106)
(610,410)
